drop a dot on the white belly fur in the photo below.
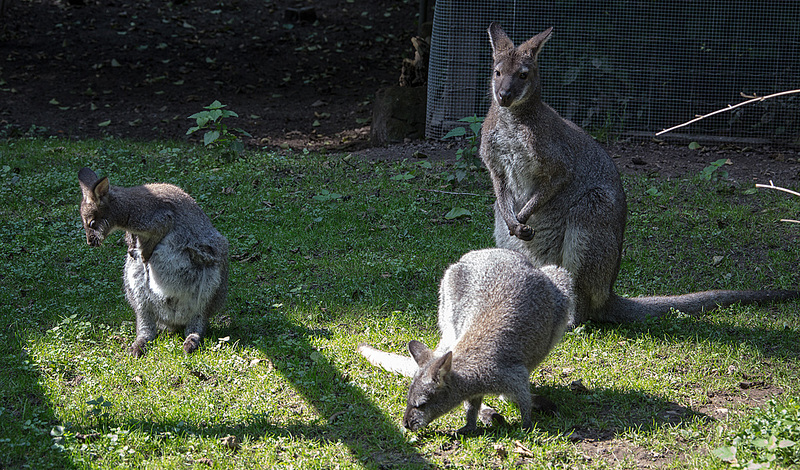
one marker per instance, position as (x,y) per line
(170,286)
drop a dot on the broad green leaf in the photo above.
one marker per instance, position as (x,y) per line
(784,443)
(403,177)
(457,212)
(726,454)
(455,132)
(210,137)
(216,105)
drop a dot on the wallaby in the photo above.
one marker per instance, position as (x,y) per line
(176,268)
(559,195)
(499,316)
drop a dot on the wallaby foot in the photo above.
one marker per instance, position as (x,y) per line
(191,344)
(138,349)
(467,429)
(490,417)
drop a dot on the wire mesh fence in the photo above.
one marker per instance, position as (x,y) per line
(618,66)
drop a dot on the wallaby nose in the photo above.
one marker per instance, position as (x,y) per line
(504,98)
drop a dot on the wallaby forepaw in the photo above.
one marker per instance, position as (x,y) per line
(137,349)
(490,417)
(523,232)
(191,344)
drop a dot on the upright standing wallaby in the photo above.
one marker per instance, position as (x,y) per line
(176,269)
(499,316)
(559,195)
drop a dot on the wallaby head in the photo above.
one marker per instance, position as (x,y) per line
(515,77)
(94,206)
(429,396)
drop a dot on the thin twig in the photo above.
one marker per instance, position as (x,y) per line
(771,185)
(758,98)
(454,193)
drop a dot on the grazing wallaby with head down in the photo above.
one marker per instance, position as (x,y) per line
(559,195)
(176,269)
(499,316)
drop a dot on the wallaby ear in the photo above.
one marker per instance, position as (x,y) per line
(532,46)
(419,352)
(499,39)
(89,184)
(100,188)
(87,178)
(443,366)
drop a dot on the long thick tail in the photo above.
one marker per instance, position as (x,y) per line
(621,309)
(403,365)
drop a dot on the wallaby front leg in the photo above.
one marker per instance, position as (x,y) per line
(194,334)
(472,407)
(146,331)
(528,209)
(515,229)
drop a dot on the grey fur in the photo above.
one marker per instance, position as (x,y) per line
(176,268)
(559,195)
(499,316)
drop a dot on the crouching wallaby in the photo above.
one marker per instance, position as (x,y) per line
(559,195)
(499,316)
(176,269)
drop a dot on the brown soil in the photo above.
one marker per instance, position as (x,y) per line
(84,68)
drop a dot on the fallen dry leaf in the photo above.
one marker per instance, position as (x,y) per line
(522,450)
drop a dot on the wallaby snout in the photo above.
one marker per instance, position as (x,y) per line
(413,420)
(93,239)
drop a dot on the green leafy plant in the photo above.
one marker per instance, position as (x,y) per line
(773,436)
(466,158)
(99,408)
(714,171)
(216,131)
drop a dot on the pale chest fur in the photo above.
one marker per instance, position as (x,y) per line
(514,157)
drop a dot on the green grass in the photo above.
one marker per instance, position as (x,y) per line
(330,250)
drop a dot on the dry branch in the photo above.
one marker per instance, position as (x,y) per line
(752,100)
(771,185)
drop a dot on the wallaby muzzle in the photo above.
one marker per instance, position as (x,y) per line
(93,238)
(413,419)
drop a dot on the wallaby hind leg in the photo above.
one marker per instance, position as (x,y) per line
(490,417)
(591,253)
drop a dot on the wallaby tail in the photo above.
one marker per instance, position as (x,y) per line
(403,365)
(621,309)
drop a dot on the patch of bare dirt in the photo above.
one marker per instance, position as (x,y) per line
(300,74)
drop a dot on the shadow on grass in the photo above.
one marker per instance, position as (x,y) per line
(591,415)
(345,414)
(27,418)
(777,342)
(373,439)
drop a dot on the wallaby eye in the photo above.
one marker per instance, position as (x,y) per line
(496,73)
(93,224)
(523,75)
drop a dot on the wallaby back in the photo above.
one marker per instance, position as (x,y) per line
(499,316)
(560,198)
(176,268)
